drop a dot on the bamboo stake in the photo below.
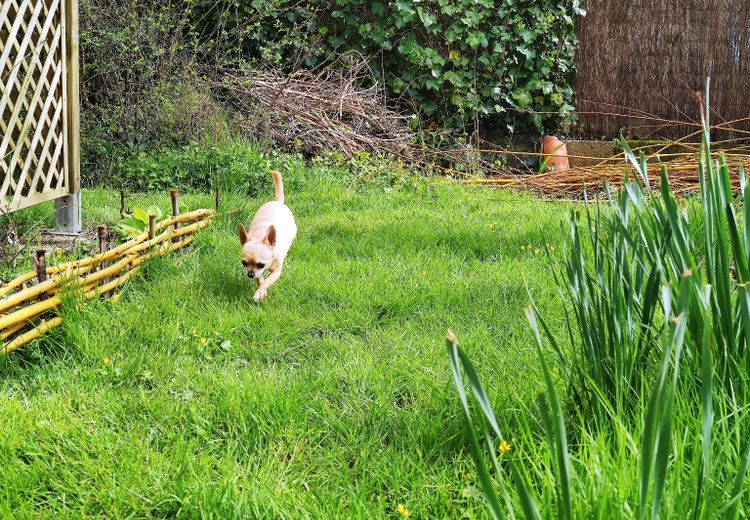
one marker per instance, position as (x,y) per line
(50,285)
(12,330)
(16,282)
(36,332)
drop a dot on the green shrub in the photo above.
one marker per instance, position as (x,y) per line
(139,86)
(233,165)
(457,61)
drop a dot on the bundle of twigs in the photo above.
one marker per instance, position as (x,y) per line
(319,111)
(25,311)
(682,173)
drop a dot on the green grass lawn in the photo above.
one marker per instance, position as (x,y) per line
(332,398)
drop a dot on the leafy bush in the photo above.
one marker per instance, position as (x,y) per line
(656,367)
(234,165)
(139,88)
(456,61)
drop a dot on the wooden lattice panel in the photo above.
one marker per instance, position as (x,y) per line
(33,113)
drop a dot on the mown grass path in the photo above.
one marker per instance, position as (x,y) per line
(332,398)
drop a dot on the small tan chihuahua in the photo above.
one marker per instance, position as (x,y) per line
(267,242)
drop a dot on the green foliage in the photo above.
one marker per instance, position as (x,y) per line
(454,60)
(137,222)
(139,86)
(656,365)
(234,165)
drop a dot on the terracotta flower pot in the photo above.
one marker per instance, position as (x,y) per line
(554,154)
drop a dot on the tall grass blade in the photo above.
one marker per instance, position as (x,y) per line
(560,447)
(484,476)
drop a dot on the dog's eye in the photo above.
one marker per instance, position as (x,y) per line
(244,262)
(260,265)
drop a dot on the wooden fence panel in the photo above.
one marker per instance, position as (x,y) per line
(37,164)
(651,56)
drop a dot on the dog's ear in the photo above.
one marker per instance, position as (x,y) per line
(271,236)
(242,233)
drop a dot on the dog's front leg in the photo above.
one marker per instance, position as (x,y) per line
(264,284)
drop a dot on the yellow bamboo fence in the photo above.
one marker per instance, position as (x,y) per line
(28,304)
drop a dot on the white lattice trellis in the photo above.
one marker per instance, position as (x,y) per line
(39,138)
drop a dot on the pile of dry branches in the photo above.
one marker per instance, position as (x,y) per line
(319,111)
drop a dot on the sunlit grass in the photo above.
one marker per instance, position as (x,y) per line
(330,399)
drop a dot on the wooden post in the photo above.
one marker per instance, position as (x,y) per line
(72,38)
(102,232)
(175,206)
(218,197)
(151,226)
(68,208)
(122,203)
(41,269)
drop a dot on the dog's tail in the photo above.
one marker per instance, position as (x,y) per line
(278,185)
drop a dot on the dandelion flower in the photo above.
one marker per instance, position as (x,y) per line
(105,360)
(204,342)
(504,447)
(402,510)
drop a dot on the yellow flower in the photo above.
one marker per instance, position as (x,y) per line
(454,55)
(402,510)
(105,360)
(537,251)
(204,342)
(504,447)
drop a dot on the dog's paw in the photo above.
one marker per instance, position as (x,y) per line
(260,294)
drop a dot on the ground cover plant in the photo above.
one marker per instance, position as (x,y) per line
(653,359)
(331,399)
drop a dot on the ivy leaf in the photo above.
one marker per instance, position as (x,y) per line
(522,98)
(528,36)
(378,9)
(526,52)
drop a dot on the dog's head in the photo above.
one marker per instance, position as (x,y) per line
(257,255)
